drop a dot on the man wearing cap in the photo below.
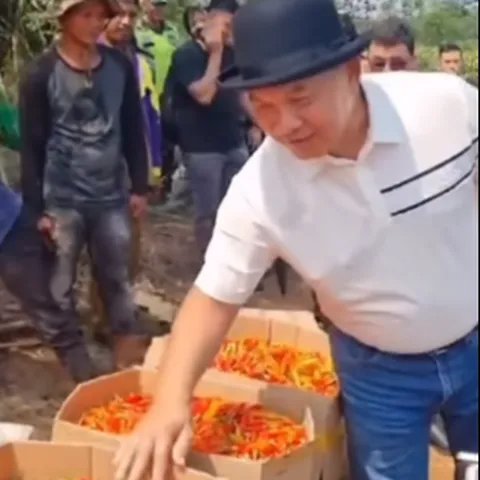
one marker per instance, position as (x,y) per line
(368,188)
(209,120)
(84,163)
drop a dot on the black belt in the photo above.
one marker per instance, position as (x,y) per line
(457,343)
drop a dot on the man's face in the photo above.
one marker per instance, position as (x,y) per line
(197,23)
(310,116)
(390,58)
(86,22)
(452,62)
(121,28)
(225,19)
(157,14)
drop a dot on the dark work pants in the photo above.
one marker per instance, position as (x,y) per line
(210,175)
(107,234)
(26,268)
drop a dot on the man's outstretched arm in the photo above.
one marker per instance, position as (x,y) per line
(164,436)
(237,258)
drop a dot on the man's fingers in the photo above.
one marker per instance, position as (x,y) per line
(182,447)
(161,460)
(124,458)
(142,460)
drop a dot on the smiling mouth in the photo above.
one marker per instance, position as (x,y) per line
(299,141)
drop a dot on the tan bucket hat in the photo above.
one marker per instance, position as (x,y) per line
(67,5)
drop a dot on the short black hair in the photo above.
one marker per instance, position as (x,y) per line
(449,47)
(229,6)
(393,31)
(188,14)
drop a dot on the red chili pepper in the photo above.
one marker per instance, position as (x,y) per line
(223,428)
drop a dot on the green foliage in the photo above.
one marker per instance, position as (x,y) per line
(447,22)
(26,27)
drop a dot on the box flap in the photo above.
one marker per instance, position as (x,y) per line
(7,462)
(249,325)
(45,461)
(101,390)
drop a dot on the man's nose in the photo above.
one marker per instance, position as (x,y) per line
(125,21)
(287,122)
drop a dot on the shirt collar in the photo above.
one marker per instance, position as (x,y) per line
(385,128)
(385,123)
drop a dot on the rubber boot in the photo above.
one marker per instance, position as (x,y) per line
(78,363)
(129,350)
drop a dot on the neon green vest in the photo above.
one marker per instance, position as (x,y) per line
(160,51)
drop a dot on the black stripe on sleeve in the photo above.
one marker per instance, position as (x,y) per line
(437,195)
(430,170)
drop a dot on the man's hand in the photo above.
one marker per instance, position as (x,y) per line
(163,438)
(46,225)
(214,33)
(162,441)
(138,206)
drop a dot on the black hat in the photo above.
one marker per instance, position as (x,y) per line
(229,6)
(279,41)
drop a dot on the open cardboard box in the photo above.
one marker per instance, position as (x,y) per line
(298,329)
(49,461)
(297,465)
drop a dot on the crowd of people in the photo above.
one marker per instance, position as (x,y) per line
(103,112)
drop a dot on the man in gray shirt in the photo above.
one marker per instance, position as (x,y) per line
(84,162)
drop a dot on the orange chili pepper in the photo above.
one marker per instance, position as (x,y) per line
(224,428)
(279,364)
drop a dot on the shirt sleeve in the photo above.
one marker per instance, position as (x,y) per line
(471,97)
(189,66)
(35,121)
(239,254)
(133,133)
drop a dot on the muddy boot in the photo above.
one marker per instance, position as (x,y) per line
(129,350)
(78,364)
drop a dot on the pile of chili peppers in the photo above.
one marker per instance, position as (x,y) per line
(120,416)
(279,364)
(235,429)
(243,430)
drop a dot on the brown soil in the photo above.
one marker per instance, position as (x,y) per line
(32,384)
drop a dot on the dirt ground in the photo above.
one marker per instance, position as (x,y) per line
(32,385)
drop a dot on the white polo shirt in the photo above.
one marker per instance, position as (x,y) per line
(388,242)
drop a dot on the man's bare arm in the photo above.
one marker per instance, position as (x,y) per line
(205,89)
(164,436)
(199,329)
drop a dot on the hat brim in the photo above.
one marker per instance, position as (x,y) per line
(233,79)
(111,6)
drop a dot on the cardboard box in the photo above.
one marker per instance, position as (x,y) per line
(297,465)
(298,329)
(47,461)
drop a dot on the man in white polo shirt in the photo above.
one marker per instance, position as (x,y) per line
(368,189)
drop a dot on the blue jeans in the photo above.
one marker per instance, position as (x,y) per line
(390,401)
(210,175)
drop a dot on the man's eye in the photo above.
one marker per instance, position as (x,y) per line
(301,101)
